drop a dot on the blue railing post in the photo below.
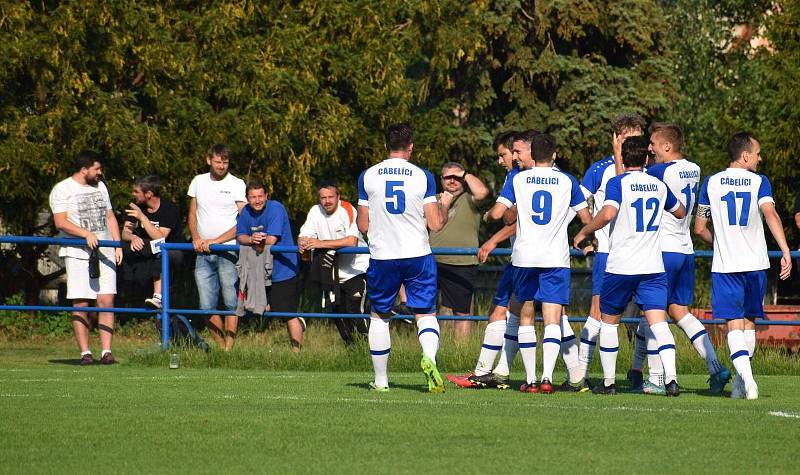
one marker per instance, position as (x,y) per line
(164,296)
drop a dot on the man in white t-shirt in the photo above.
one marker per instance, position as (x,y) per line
(396,207)
(82,209)
(634,206)
(330,225)
(216,199)
(735,199)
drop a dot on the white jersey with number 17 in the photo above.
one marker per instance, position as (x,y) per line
(395,192)
(735,197)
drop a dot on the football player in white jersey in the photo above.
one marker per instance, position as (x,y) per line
(683,178)
(735,200)
(633,205)
(396,207)
(595,180)
(540,255)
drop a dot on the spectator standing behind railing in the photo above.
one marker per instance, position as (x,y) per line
(265,222)
(216,199)
(458,274)
(82,209)
(150,218)
(330,225)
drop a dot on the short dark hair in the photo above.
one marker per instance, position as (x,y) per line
(151,183)
(328,184)
(635,150)
(219,150)
(543,147)
(671,132)
(627,121)
(399,137)
(506,139)
(526,136)
(453,165)
(255,184)
(86,159)
(740,142)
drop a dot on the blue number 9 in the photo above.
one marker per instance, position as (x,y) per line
(542,207)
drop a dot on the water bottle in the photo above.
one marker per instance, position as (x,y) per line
(174,360)
(94,264)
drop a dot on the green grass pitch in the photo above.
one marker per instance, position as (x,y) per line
(59,418)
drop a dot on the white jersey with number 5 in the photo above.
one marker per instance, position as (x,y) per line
(395,192)
(735,196)
(635,232)
(544,198)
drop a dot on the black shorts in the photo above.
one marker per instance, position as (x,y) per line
(284,296)
(457,285)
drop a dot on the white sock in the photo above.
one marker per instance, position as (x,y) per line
(428,334)
(589,334)
(492,344)
(740,356)
(157,295)
(103,353)
(380,344)
(699,337)
(551,346)
(510,345)
(750,339)
(654,366)
(666,349)
(639,346)
(527,348)
(609,347)
(569,351)
(87,352)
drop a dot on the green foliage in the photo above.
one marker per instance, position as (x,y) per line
(25,325)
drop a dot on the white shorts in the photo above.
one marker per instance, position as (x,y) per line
(80,286)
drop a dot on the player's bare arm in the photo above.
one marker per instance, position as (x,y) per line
(436,213)
(776,228)
(498,237)
(701,220)
(362,219)
(606,214)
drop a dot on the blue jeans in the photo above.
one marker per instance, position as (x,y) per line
(212,272)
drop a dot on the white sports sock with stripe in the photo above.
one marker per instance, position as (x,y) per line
(379,346)
(589,334)
(527,348)
(428,334)
(654,366)
(492,344)
(750,339)
(551,346)
(609,347)
(510,345)
(639,345)
(666,349)
(702,344)
(569,351)
(740,356)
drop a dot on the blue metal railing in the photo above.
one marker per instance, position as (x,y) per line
(166,308)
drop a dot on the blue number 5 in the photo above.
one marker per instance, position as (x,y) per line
(395,198)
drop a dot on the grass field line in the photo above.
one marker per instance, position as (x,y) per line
(426,401)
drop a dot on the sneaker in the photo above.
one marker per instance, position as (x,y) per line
(490,380)
(636,378)
(529,388)
(87,359)
(435,383)
(546,387)
(568,387)
(601,388)
(737,388)
(751,391)
(108,358)
(378,389)
(653,389)
(153,302)
(672,389)
(462,381)
(585,386)
(717,381)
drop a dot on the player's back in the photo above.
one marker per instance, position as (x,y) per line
(544,198)
(395,192)
(595,180)
(682,177)
(635,231)
(735,196)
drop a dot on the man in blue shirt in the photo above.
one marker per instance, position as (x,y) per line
(265,222)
